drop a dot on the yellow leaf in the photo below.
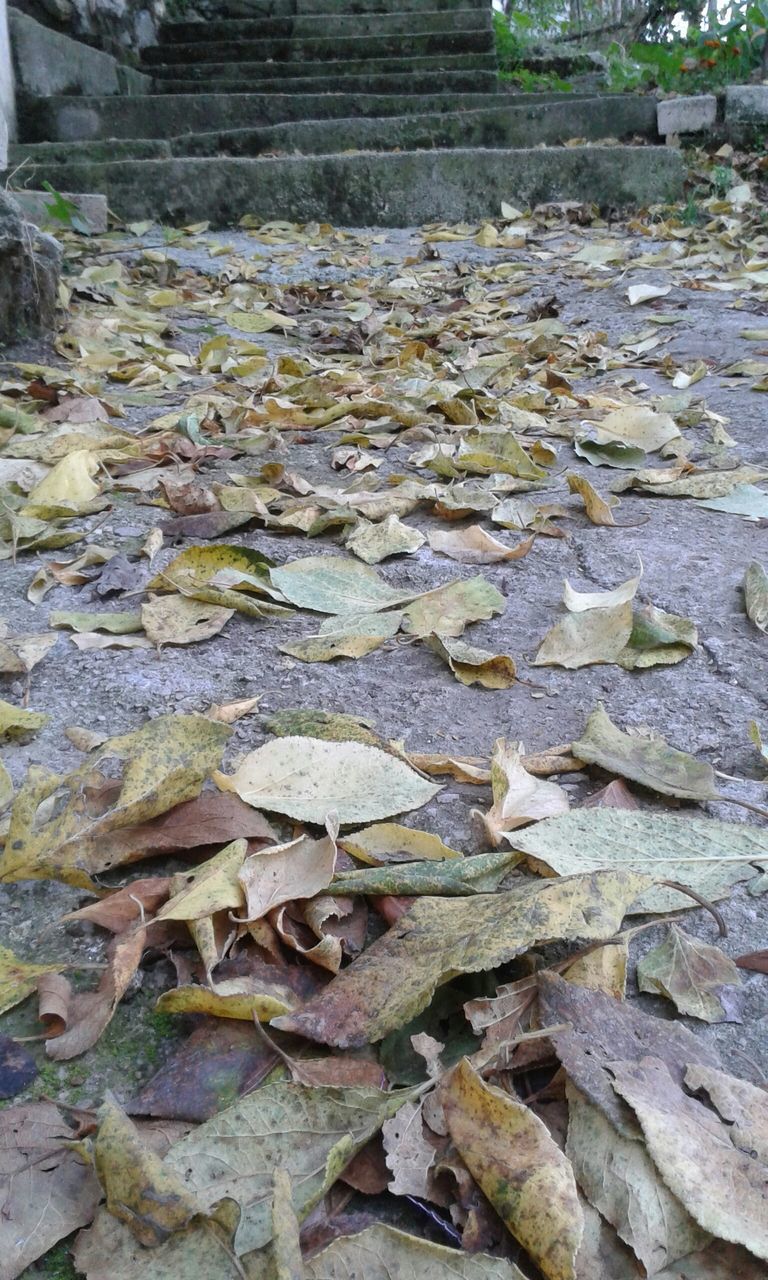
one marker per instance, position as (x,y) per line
(526,1177)
(19,979)
(231,999)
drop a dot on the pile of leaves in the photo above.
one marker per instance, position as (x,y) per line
(555,1124)
(404,1060)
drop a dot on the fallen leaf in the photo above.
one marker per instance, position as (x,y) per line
(176,620)
(116,623)
(230,712)
(238,998)
(48,1190)
(705,854)
(95,640)
(597,509)
(474,546)
(612,453)
(518,797)
(601,1031)
(213,886)
(69,481)
(163,764)
(140,1189)
(684,1136)
(375,542)
(692,974)
(651,762)
(15,722)
(90,1012)
(637,293)
(482,873)
(383,1253)
(19,979)
(332,584)
(472,665)
(393,980)
(619,1178)
(446,611)
(307,779)
(756,595)
(386,842)
(524,1174)
(757,961)
(638,426)
(349,636)
(284,873)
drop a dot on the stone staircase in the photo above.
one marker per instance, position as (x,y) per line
(359,112)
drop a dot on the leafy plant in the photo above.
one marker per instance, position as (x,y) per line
(65,212)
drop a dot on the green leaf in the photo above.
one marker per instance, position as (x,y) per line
(458,878)
(446,611)
(690,973)
(756,595)
(333,584)
(649,761)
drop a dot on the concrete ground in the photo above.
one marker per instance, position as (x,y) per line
(693,562)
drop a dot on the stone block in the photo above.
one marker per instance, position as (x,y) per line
(47,63)
(34,208)
(132,82)
(746,104)
(687,115)
(30,263)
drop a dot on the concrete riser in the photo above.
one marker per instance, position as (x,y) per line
(327,24)
(397,189)
(402,45)
(224,73)
(73,119)
(254,9)
(418,82)
(500,127)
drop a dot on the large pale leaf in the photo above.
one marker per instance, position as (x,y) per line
(383,1253)
(335,584)
(594,635)
(447,610)
(719,1178)
(312,1133)
(707,855)
(390,537)
(649,761)
(518,797)
(48,1190)
(307,779)
(178,620)
(393,980)
(619,1178)
(692,974)
(159,766)
(524,1174)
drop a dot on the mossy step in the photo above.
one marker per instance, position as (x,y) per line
(416,82)
(327,24)
(282,71)
(395,189)
(69,119)
(405,44)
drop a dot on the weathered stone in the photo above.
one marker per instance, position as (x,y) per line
(7,94)
(47,63)
(746,104)
(386,189)
(687,115)
(34,206)
(29,274)
(326,24)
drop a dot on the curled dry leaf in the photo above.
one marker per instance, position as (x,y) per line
(518,797)
(472,665)
(474,546)
(756,595)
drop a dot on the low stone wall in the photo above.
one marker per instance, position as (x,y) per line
(117,26)
(30,262)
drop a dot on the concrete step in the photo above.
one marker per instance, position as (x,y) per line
(254,9)
(312,26)
(66,119)
(418,82)
(375,189)
(225,72)
(530,124)
(402,45)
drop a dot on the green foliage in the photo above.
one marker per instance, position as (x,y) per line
(65,212)
(513,40)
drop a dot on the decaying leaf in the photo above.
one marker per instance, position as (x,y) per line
(308,779)
(393,979)
(386,842)
(692,974)
(474,546)
(18,979)
(376,542)
(522,1171)
(649,761)
(383,1253)
(333,584)
(684,1136)
(177,620)
(518,797)
(162,764)
(16,722)
(707,855)
(756,595)
(299,869)
(141,1190)
(619,1178)
(472,665)
(446,611)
